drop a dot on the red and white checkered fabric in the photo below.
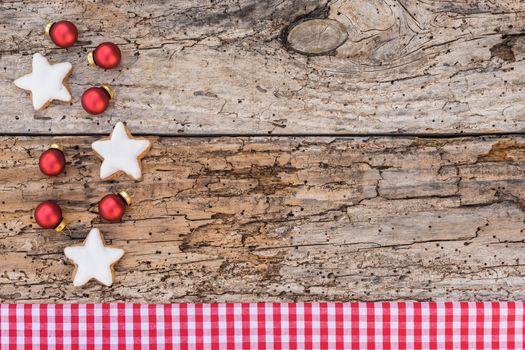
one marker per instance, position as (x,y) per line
(404,325)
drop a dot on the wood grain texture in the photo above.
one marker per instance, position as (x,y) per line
(251,219)
(221,67)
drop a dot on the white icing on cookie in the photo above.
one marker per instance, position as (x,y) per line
(46,81)
(93,259)
(121,153)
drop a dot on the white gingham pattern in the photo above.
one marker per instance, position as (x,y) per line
(404,325)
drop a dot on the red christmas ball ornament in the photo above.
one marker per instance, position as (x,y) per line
(62,33)
(95,100)
(106,55)
(52,162)
(113,206)
(49,215)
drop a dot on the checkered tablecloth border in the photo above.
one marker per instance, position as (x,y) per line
(403,325)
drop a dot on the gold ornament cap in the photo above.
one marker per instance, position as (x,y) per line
(125,195)
(109,89)
(90,59)
(60,226)
(57,146)
(47,29)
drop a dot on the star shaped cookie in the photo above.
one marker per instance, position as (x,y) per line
(121,153)
(46,82)
(93,260)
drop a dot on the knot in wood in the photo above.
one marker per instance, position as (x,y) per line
(316,36)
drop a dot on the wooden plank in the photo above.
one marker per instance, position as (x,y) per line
(224,68)
(251,219)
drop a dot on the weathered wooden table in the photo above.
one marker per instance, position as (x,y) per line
(303,150)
